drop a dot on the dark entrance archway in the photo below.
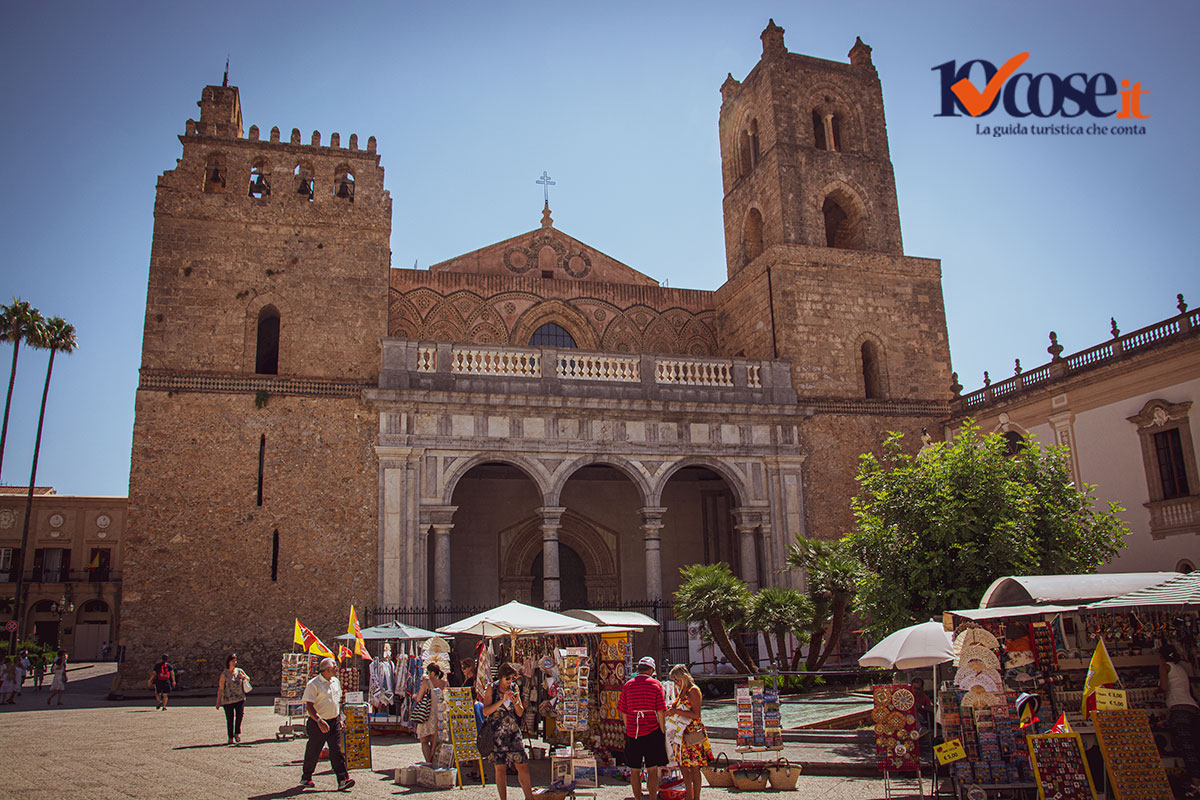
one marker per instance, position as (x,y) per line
(573,575)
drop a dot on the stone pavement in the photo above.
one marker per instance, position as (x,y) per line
(98,749)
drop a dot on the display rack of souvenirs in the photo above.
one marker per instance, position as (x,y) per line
(1131,757)
(356,736)
(896,727)
(759,725)
(574,678)
(1060,768)
(295,671)
(348,675)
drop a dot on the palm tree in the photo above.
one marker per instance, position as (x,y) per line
(57,336)
(18,321)
(780,611)
(832,572)
(710,593)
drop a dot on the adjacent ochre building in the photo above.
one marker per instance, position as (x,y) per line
(72,583)
(1125,409)
(533,420)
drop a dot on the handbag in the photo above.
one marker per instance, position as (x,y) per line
(247,688)
(420,712)
(693,738)
(485,740)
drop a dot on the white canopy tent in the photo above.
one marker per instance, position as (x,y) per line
(915,647)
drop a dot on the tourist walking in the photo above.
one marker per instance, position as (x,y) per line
(58,684)
(8,681)
(1183,714)
(427,729)
(231,696)
(643,707)
(39,671)
(162,680)
(503,707)
(23,665)
(693,750)
(323,704)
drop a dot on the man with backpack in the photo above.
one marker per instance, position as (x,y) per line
(162,678)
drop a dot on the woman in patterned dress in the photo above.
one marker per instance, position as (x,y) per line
(503,706)
(689,757)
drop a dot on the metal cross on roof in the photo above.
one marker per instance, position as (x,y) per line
(546,184)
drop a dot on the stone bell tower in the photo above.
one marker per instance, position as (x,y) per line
(817,271)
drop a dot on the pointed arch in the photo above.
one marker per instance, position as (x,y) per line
(269,304)
(752,236)
(844,215)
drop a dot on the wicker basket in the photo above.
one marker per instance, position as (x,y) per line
(749,779)
(717,774)
(783,774)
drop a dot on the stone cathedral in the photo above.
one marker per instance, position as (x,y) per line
(533,420)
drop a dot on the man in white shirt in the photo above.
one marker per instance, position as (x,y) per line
(323,704)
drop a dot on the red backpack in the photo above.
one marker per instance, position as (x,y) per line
(164,671)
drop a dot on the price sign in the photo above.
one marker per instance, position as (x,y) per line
(1111,700)
(950,751)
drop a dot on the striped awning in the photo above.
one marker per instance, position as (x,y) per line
(1182,590)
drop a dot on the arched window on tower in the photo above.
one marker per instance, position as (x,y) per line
(214,175)
(304,181)
(266,353)
(752,236)
(744,153)
(260,180)
(841,229)
(871,372)
(343,184)
(836,125)
(818,123)
(754,148)
(552,335)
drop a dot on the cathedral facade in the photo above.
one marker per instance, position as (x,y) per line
(533,420)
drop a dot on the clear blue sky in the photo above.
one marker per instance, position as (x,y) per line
(619,101)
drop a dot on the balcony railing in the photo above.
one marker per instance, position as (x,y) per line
(1174,328)
(1180,515)
(455,367)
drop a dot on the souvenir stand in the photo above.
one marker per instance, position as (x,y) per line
(895,715)
(555,657)
(295,671)
(395,675)
(463,732)
(1131,626)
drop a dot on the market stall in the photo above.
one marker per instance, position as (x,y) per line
(394,674)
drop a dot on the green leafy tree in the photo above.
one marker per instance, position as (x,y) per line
(936,528)
(778,611)
(19,322)
(832,573)
(711,594)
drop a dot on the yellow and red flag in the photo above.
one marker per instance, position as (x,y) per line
(95,562)
(360,644)
(1062,726)
(344,652)
(1101,672)
(309,641)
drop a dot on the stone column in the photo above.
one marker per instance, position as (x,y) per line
(829,132)
(551,585)
(437,522)
(398,471)
(652,532)
(746,522)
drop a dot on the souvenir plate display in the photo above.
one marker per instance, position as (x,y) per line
(1130,756)
(895,727)
(356,736)
(1059,767)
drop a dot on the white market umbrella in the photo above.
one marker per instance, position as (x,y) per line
(517,619)
(914,647)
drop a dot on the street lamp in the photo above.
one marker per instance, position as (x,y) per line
(60,607)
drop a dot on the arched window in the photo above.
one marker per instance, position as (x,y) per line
(754,148)
(94,607)
(836,124)
(744,153)
(1185,567)
(343,184)
(304,181)
(841,229)
(818,123)
(551,335)
(1014,442)
(260,180)
(752,236)
(266,354)
(871,371)
(214,175)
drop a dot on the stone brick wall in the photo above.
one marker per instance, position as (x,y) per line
(199,548)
